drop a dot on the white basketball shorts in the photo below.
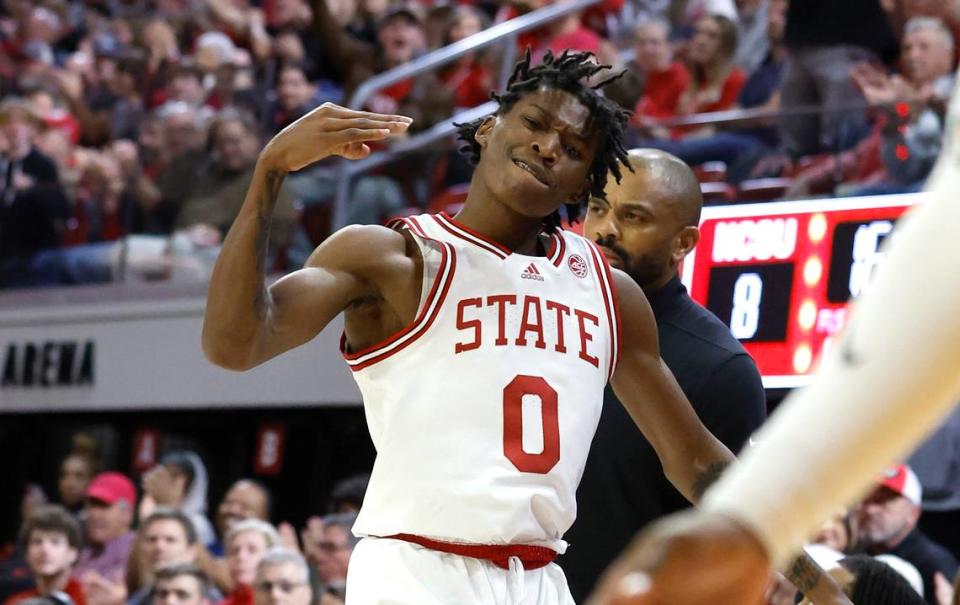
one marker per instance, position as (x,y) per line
(385,571)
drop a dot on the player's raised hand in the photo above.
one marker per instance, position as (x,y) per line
(329,130)
(692,558)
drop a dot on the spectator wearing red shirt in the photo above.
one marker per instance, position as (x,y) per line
(469,78)
(715,82)
(653,82)
(566,33)
(51,537)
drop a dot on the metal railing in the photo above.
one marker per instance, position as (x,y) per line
(506,32)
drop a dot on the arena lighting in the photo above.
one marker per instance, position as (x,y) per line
(781,274)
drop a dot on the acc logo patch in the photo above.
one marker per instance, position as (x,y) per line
(577,265)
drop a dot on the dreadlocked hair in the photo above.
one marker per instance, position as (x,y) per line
(569,72)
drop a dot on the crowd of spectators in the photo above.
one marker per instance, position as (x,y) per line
(117,539)
(140,121)
(111,540)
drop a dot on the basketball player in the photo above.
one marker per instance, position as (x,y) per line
(481,343)
(894,376)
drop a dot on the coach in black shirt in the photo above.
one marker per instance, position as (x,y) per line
(645,227)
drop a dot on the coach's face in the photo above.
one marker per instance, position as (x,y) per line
(638,227)
(536,156)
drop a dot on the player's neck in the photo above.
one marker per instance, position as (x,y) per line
(497,221)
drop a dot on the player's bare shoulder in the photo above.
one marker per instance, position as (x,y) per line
(386,263)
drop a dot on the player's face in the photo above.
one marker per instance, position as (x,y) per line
(635,227)
(49,553)
(536,156)
(885,517)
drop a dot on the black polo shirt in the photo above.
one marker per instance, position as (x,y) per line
(623,486)
(928,557)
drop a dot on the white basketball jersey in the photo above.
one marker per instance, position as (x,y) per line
(483,409)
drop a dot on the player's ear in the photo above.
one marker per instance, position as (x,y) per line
(483,131)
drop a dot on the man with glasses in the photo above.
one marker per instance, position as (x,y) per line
(283,578)
(330,554)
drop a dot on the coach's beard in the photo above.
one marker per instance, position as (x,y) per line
(644,269)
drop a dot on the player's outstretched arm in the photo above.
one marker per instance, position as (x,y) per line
(245,323)
(692,457)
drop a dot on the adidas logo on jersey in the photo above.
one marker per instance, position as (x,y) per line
(531,272)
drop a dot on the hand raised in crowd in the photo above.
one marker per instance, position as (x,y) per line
(99,590)
(311,535)
(878,87)
(70,83)
(329,130)
(161,485)
(288,536)
(693,558)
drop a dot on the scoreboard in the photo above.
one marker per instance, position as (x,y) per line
(781,275)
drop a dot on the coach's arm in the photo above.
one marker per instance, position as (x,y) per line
(691,456)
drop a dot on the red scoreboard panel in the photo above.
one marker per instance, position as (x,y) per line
(782,274)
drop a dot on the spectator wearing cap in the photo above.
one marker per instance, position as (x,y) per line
(887,520)
(400,38)
(109,511)
(51,538)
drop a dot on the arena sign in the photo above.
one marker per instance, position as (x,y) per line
(48,364)
(782,274)
(138,347)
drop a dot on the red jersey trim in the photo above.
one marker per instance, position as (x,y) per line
(402,339)
(418,228)
(558,249)
(406,222)
(610,304)
(468,234)
(532,557)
